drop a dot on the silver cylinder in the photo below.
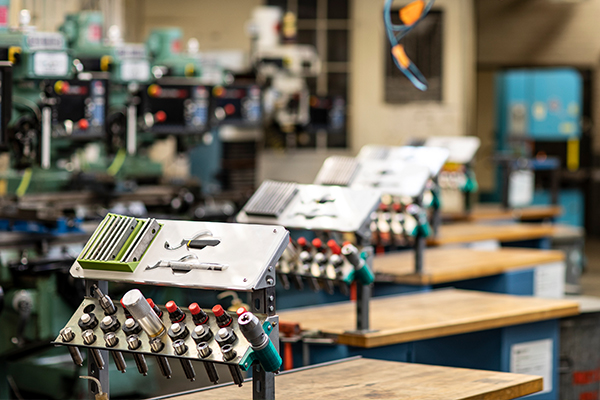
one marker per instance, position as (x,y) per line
(67,334)
(133,342)
(164,366)
(88,337)
(156,345)
(76,355)
(111,339)
(236,374)
(188,369)
(119,361)
(203,350)
(228,352)
(180,347)
(140,362)
(211,371)
(140,310)
(253,331)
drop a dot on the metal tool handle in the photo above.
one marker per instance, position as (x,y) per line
(199,244)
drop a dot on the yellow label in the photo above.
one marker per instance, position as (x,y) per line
(573,154)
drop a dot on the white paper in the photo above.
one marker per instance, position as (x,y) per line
(485,245)
(533,358)
(135,70)
(50,63)
(520,188)
(549,280)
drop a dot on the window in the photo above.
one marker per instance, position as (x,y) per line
(424,47)
(325,25)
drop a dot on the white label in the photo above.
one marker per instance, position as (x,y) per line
(520,188)
(533,358)
(549,280)
(50,64)
(137,70)
(484,245)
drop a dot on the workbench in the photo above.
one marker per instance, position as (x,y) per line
(505,270)
(358,379)
(491,212)
(449,327)
(521,234)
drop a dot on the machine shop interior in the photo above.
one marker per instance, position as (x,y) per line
(299,199)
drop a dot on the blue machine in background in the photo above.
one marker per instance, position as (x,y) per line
(541,105)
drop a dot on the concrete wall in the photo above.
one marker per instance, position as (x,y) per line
(217,25)
(374,121)
(46,15)
(540,32)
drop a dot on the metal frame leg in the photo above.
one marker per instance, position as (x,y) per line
(363,296)
(93,370)
(263,382)
(420,242)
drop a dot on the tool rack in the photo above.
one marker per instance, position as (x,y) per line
(430,157)
(326,212)
(198,255)
(458,172)
(396,180)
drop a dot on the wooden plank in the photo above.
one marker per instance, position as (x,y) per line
(442,265)
(375,379)
(407,318)
(490,212)
(474,232)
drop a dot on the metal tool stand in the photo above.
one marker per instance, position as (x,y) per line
(321,209)
(263,382)
(247,343)
(363,296)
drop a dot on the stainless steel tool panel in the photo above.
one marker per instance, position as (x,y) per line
(323,208)
(462,148)
(431,157)
(241,346)
(248,250)
(271,198)
(337,171)
(392,177)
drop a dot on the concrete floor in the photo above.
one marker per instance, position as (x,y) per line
(590,280)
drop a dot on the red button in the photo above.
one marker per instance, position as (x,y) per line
(160,116)
(335,248)
(229,109)
(83,124)
(218,310)
(171,306)
(194,308)
(317,243)
(150,301)
(123,304)
(240,311)
(302,241)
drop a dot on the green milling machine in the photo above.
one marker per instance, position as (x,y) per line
(128,66)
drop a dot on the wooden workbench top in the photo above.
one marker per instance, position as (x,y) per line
(411,317)
(442,265)
(360,379)
(475,232)
(489,212)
